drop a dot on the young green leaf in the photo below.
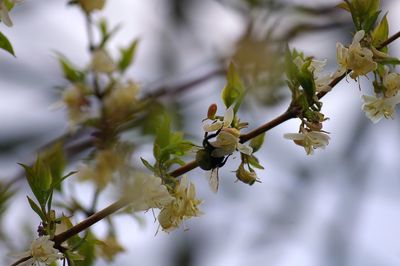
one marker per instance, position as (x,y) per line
(5,44)
(381,32)
(147,164)
(36,209)
(234,87)
(253,161)
(127,56)
(257,142)
(70,72)
(344,6)
(163,133)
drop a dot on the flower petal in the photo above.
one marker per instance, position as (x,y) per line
(358,36)
(4,16)
(294,136)
(228,117)
(246,149)
(213,126)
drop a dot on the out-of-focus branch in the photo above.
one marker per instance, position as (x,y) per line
(158,92)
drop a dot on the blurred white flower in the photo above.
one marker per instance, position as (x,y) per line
(102,62)
(42,252)
(74,98)
(391,82)
(121,100)
(310,140)
(377,108)
(146,192)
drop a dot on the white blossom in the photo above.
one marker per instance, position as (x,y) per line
(218,124)
(356,58)
(228,139)
(310,140)
(391,82)
(42,252)
(377,108)
(146,192)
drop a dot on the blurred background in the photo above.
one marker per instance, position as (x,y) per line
(339,207)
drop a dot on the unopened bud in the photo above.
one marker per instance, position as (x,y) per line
(247,177)
(91,5)
(212,110)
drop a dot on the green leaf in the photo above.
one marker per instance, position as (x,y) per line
(163,132)
(6,194)
(105,33)
(253,161)
(370,21)
(344,6)
(366,7)
(234,87)
(388,61)
(5,44)
(173,161)
(257,142)
(147,164)
(127,55)
(364,13)
(37,209)
(290,67)
(9,4)
(306,80)
(74,256)
(40,180)
(71,73)
(55,158)
(58,182)
(87,250)
(381,32)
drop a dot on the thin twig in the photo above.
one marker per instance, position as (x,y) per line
(21,261)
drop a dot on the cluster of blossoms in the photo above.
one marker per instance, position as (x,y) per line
(107,164)
(176,204)
(361,61)
(117,102)
(358,59)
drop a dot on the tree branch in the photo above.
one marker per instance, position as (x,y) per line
(292,112)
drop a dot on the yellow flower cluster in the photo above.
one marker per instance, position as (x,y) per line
(184,206)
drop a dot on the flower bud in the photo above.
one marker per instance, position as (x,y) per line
(212,110)
(91,5)
(247,177)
